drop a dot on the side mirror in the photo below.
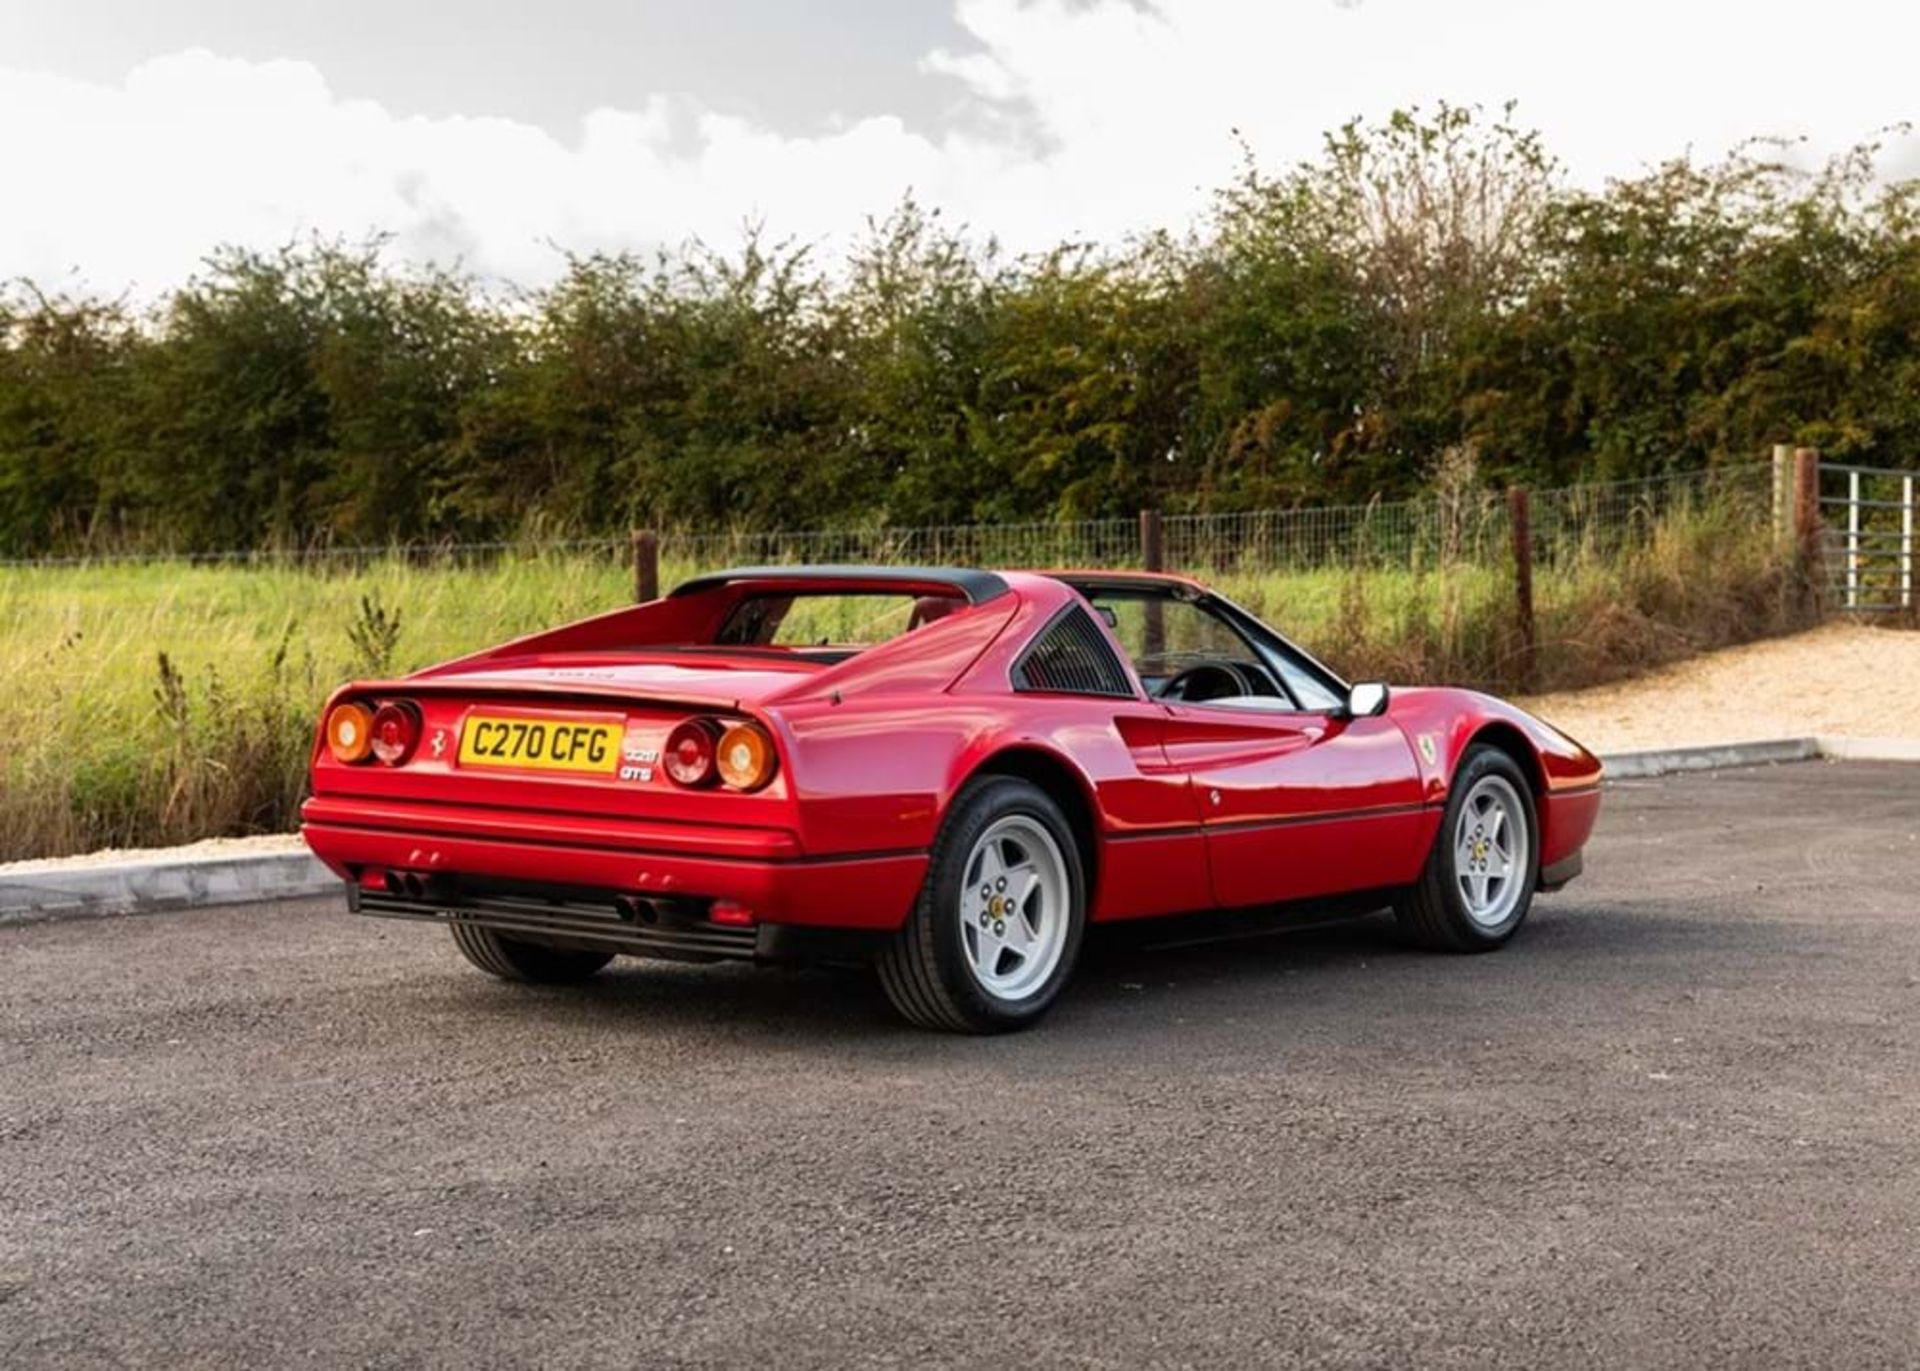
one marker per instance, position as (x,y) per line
(1366,700)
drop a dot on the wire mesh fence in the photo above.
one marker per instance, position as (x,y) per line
(1092,542)
(1607,520)
(327,557)
(1467,527)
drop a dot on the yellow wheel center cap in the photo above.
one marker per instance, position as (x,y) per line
(997,907)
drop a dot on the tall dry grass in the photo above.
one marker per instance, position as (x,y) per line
(1704,576)
(150,705)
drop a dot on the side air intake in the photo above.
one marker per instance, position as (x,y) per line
(1070,657)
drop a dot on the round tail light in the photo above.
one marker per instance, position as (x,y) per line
(396,728)
(746,759)
(350,733)
(689,753)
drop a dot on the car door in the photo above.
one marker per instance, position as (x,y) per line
(1294,799)
(1296,804)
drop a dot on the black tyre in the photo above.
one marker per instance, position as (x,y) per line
(995,932)
(514,959)
(1479,880)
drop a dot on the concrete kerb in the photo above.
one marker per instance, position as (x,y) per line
(151,882)
(1871,749)
(1622,766)
(1663,761)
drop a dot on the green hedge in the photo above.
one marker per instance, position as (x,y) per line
(1429,285)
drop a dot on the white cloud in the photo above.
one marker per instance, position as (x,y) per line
(1110,116)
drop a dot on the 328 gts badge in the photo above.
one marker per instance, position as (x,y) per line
(637,763)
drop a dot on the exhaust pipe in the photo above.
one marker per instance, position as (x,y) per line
(635,910)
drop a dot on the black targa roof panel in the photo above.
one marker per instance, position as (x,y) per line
(977,586)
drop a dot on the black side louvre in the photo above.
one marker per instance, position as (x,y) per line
(1070,657)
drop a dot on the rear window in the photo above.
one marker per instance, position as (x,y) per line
(826,619)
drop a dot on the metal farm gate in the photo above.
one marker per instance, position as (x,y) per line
(1867,537)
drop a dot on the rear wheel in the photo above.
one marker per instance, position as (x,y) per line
(514,959)
(996,930)
(1478,883)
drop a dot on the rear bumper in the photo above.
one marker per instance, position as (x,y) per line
(759,868)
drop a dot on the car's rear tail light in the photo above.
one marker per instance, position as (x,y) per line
(396,728)
(746,760)
(689,753)
(350,733)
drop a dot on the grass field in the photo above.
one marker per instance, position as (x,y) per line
(153,704)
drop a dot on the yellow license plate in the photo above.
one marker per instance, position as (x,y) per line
(540,744)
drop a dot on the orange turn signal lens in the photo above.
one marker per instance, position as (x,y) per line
(350,733)
(745,757)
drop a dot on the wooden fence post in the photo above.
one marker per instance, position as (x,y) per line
(646,565)
(1153,557)
(1806,525)
(1153,546)
(1782,494)
(1520,517)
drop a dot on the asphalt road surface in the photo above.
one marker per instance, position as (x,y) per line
(1676,1123)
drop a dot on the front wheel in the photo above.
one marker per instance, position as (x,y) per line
(1478,883)
(996,930)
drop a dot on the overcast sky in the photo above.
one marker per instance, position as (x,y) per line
(138,134)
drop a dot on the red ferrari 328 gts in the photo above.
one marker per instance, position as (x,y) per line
(948,773)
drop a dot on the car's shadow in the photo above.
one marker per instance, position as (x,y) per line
(1223,973)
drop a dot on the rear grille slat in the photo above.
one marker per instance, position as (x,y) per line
(584,922)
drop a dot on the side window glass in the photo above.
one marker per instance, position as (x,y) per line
(1164,637)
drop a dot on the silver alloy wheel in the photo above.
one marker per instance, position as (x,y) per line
(1014,908)
(1491,854)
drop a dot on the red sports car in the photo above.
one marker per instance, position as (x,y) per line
(947,773)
